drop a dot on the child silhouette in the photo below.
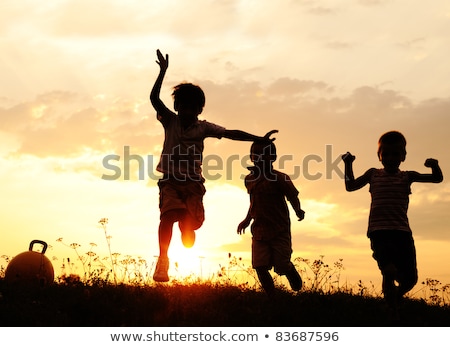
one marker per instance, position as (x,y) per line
(182,185)
(271,227)
(389,231)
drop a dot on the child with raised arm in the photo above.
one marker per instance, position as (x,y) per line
(271,227)
(182,185)
(390,235)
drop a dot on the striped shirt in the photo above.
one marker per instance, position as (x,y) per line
(390,200)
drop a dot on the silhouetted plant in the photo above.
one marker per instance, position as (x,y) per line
(103,222)
(237,273)
(318,276)
(434,292)
(3,267)
(85,260)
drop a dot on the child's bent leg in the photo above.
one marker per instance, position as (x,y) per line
(406,284)
(404,288)
(407,276)
(194,215)
(406,279)
(266,280)
(281,247)
(187,228)
(294,278)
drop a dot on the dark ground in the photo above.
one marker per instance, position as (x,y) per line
(200,305)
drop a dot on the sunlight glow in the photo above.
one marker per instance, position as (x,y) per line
(38,111)
(185,261)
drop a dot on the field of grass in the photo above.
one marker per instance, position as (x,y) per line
(201,305)
(119,292)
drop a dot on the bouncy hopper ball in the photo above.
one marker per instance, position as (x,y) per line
(30,268)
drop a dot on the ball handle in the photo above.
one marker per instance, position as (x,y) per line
(43,243)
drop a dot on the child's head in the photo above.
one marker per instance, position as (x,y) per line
(263,151)
(392,149)
(188,99)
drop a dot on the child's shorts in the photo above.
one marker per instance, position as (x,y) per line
(186,195)
(275,253)
(395,247)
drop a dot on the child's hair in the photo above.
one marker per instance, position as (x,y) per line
(189,93)
(392,138)
(265,146)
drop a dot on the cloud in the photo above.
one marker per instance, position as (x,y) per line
(293,87)
(80,18)
(339,45)
(64,124)
(88,20)
(307,113)
(373,2)
(321,11)
(417,43)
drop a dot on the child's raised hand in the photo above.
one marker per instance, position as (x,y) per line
(267,136)
(348,157)
(430,162)
(162,62)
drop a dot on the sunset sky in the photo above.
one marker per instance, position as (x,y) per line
(331,76)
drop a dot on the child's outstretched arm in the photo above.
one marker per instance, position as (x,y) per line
(240,135)
(351,183)
(155,99)
(435,176)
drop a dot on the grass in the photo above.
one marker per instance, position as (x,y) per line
(201,305)
(118,291)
